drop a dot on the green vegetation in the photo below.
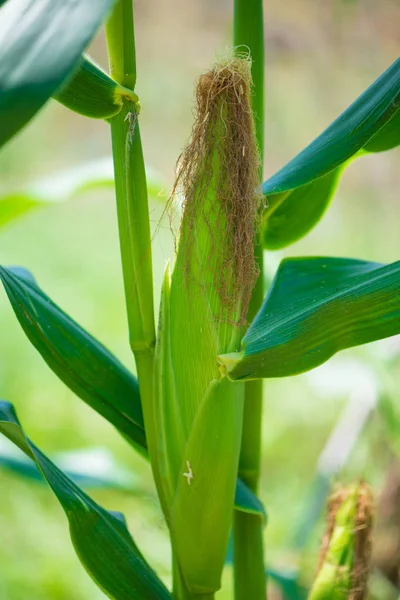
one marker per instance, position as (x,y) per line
(195,408)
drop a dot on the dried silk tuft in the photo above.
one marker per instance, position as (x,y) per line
(362,537)
(222,158)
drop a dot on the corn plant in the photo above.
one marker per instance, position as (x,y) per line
(194,409)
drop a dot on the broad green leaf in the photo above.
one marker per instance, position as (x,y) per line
(79,360)
(345,136)
(92,93)
(86,367)
(316,307)
(89,468)
(64,185)
(300,192)
(101,540)
(41,43)
(294,213)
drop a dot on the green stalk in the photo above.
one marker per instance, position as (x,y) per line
(132,207)
(249,571)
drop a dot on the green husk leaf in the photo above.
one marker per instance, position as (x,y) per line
(101,540)
(41,45)
(92,93)
(202,313)
(316,307)
(78,359)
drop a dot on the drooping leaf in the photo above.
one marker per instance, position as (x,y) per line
(316,307)
(79,360)
(345,136)
(299,210)
(300,192)
(41,43)
(64,185)
(86,367)
(93,468)
(92,93)
(101,540)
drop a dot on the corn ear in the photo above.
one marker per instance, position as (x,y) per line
(198,412)
(346,548)
(92,93)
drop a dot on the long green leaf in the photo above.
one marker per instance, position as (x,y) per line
(300,192)
(86,367)
(65,184)
(345,136)
(41,43)
(101,540)
(78,359)
(316,307)
(89,468)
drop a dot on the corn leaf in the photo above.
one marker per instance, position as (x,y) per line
(79,360)
(93,468)
(41,43)
(345,136)
(316,307)
(87,368)
(387,138)
(101,540)
(92,93)
(300,192)
(64,185)
(292,214)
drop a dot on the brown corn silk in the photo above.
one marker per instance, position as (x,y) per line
(222,160)
(362,537)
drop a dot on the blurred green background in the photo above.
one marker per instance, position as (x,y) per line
(319,57)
